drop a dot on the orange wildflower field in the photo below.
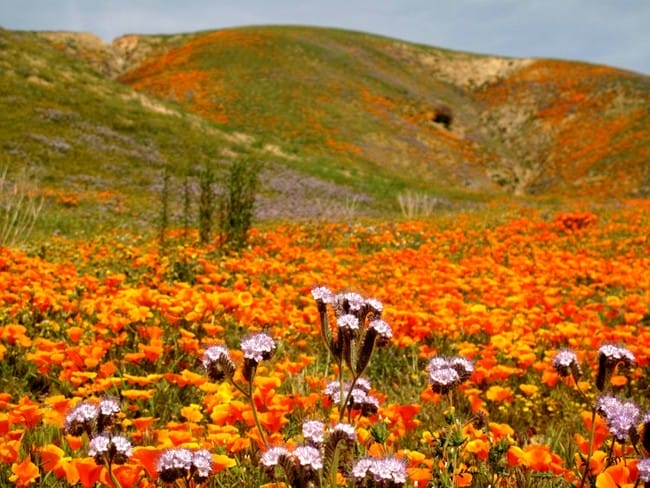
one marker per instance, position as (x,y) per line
(465,350)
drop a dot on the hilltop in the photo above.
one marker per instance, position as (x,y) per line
(346,121)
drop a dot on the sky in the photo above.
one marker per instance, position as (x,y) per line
(611,32)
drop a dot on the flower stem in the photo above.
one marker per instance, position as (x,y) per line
(249,396)
(347,399)
(114,480)
(255,417)
(591,447)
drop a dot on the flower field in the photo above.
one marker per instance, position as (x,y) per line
(511,349)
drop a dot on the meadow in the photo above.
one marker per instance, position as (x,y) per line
(126,363)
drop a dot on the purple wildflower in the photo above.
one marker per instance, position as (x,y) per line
(384,331)
(174,464)
(201,465)
(218,363)
(375,306)
(610,356)
(362,384)
(644,470)
(333,391)
(107,411)
(388,471)
(447,373)
(565,362)
(257,347)
(443,380)
(309,457)
(313,431)
(361,400)
(349,302)
(109,407)
(621,417)
(322,294)
(109,449)
(617,354)
(345,429)
(464,367)
(81,419)
(271,457)
(348,321)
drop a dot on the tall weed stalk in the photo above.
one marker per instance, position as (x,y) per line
(206,203)
(19,209)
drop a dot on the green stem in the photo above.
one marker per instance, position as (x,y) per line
(591,447)
(249,396)
(255,417)
(114,480)
(347,399)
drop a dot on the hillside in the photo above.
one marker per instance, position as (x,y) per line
(345,120)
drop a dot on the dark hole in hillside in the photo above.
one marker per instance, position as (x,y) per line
(443,115)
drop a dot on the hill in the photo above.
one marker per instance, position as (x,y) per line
(346,121)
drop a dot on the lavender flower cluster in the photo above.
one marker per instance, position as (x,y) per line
(360,397)
(609,357)
(110,449)
(303,464)
(566,364)
(358,327)
(620,416)
(388,472)
(89,417)
(219,365)
(447,373)
(95,420)
(184,464)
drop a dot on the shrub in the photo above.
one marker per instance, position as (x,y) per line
(238,201)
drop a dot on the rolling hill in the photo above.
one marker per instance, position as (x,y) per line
(346,121)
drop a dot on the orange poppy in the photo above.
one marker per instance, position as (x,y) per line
(192,413)
(125,475)
(86,471)
(54,460)
(499,394)
(221,462)
(147,457)
(419,476)
(614,477)
(24,473)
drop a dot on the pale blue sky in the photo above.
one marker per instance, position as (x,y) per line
(611,32)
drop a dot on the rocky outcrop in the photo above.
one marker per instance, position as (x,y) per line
(112,59)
